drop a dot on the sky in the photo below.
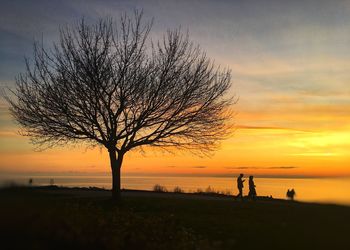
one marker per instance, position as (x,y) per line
(290,63)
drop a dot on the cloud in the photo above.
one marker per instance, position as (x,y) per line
(186,166)
(8,134)
(283,167)
(317,154)
(199,167)
(268,128)
(278,167)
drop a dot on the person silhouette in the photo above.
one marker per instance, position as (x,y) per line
(252,191)
(291,194)
(240,186)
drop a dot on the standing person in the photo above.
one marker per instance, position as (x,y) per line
(252,191)
(240,186)
(291,194)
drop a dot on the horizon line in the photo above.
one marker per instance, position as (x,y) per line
(143,174)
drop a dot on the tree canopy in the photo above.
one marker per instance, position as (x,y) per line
(109,85)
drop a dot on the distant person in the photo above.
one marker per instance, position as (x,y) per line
(240,186)
(30,182)
(291,194)
(252,191)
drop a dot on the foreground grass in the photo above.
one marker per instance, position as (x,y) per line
(33,219)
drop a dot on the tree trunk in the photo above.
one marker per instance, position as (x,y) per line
(116,163)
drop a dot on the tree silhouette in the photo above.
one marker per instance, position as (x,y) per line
(109,85)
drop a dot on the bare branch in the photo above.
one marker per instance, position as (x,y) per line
(109,85)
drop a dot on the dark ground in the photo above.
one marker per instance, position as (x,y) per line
(60,218)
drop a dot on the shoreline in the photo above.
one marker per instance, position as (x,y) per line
(324,191)
(96,192)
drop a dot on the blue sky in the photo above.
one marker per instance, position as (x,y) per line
(296,43)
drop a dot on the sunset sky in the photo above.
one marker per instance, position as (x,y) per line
(290,64)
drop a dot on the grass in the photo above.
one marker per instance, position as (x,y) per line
(212,191)
(58,220)
(159,188)
(178,190)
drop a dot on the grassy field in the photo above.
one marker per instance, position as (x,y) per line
(33,218)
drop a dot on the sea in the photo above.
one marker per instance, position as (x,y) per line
(321,190)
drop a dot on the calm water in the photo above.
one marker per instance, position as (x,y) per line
(326,190)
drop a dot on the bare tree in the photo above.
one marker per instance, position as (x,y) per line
(108,85)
